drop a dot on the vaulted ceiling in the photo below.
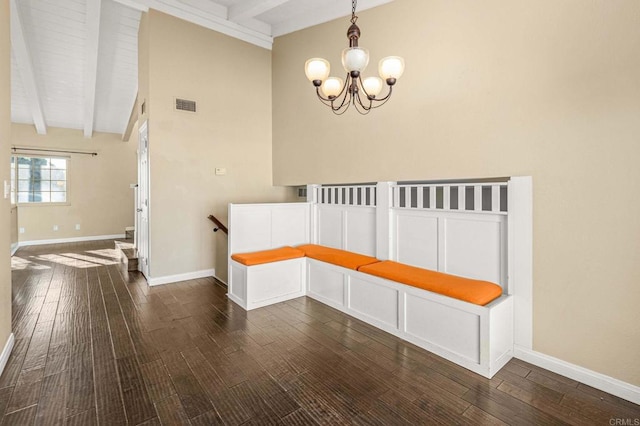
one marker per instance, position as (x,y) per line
(75,62)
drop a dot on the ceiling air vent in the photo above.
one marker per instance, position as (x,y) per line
(185,105)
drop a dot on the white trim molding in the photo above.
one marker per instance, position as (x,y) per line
(594,379)
(70,240)
(4,356)
(168,279)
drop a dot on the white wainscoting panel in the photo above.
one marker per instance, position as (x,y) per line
(361,230)
(473,248)
(375,301)
(326,284)
(330,227)
(266,226)
(290,225)
(271,282)
(416,241)
(239,279)
(251,230)
(450,328)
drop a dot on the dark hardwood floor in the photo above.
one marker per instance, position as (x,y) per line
(95,345)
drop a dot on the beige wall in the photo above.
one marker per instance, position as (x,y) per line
(231,82)
(99,197)
(5,207)
(501,88)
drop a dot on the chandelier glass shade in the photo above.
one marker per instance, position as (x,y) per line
(363,94)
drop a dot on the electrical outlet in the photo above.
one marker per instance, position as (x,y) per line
(77,226)
(55,227)
(220,171)
(21,230)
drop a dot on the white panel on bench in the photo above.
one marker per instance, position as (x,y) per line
(255,232)
(330,227)
(261,285)
(375,301)
(450,328)
(417,240)
(239,278)
(265,226)
(326,283)
(361,230)
(472,247)
(278,282)
(290,226)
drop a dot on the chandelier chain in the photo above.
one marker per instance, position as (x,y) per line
(354,18)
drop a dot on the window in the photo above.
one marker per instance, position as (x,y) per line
(38,179)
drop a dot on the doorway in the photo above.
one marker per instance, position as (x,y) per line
(142,207)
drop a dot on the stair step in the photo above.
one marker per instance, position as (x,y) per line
(128,254)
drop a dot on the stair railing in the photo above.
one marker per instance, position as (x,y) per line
(219,225)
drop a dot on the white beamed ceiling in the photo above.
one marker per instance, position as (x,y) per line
(56,81)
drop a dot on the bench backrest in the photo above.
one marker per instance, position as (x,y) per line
(256,227)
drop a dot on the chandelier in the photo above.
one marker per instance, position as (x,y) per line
(362,94)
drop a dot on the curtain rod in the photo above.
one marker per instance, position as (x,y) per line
(16,148)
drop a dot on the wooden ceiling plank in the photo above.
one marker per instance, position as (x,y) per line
(92,23)
(22,56)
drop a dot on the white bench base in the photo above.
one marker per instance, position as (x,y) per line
(479,338)
(261,285)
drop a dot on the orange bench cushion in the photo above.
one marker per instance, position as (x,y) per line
(267,256)
(338,257)
(469,290)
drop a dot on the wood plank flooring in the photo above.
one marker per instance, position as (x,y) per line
(96,345)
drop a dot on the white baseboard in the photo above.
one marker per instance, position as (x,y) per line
(168,279)
(70,240)
(14,248)
(4,356)
(588,377)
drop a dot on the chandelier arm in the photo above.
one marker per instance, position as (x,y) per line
(345,93)
(363,109)
(362,86)
(338,111)
(322,98)
(384,100)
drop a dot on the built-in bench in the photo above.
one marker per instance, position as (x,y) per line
(427,263)
(266,277)
(477,292)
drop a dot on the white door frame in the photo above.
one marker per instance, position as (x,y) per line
(142,201)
